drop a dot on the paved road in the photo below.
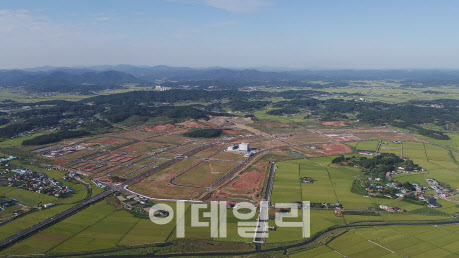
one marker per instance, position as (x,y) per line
(262,223)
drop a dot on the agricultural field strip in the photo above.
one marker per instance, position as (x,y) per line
(446,230)
(405,243)
(79,232)
(336,251)
(417,237)
(53,220)
(385,248)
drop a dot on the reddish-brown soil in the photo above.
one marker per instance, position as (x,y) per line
(233,132)
(248,180)
(336,124)
(335,149)
(160,128)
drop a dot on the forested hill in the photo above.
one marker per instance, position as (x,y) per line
(66,81)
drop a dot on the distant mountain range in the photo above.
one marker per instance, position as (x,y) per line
(122,74)
(63,77)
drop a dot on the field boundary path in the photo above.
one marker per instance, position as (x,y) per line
(385,248)
(401,150)
(379,146)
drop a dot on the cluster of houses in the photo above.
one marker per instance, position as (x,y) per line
(398,189)
(440,190)
(402,170)
(37,182)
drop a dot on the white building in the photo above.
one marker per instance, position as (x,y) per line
(244,147)
(161,88)
(232,147)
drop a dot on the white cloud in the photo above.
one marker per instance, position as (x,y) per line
(237,6)
(19,21)
(101,17)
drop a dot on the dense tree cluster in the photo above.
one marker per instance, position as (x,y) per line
(204,133)
(283,111)
(247,106)
(410,117)
(119,113)
(54,137)
(379,164)
(4,120)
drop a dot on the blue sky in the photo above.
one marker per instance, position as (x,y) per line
(360,34)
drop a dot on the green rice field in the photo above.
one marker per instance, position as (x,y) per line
(406,241)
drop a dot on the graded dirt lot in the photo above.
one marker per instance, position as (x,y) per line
(300,139)
(206,173)
(335,149)
(171,140)
(250,182)
(143,147)
(209,151)
(261,142)
(229,155)
(158,186)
